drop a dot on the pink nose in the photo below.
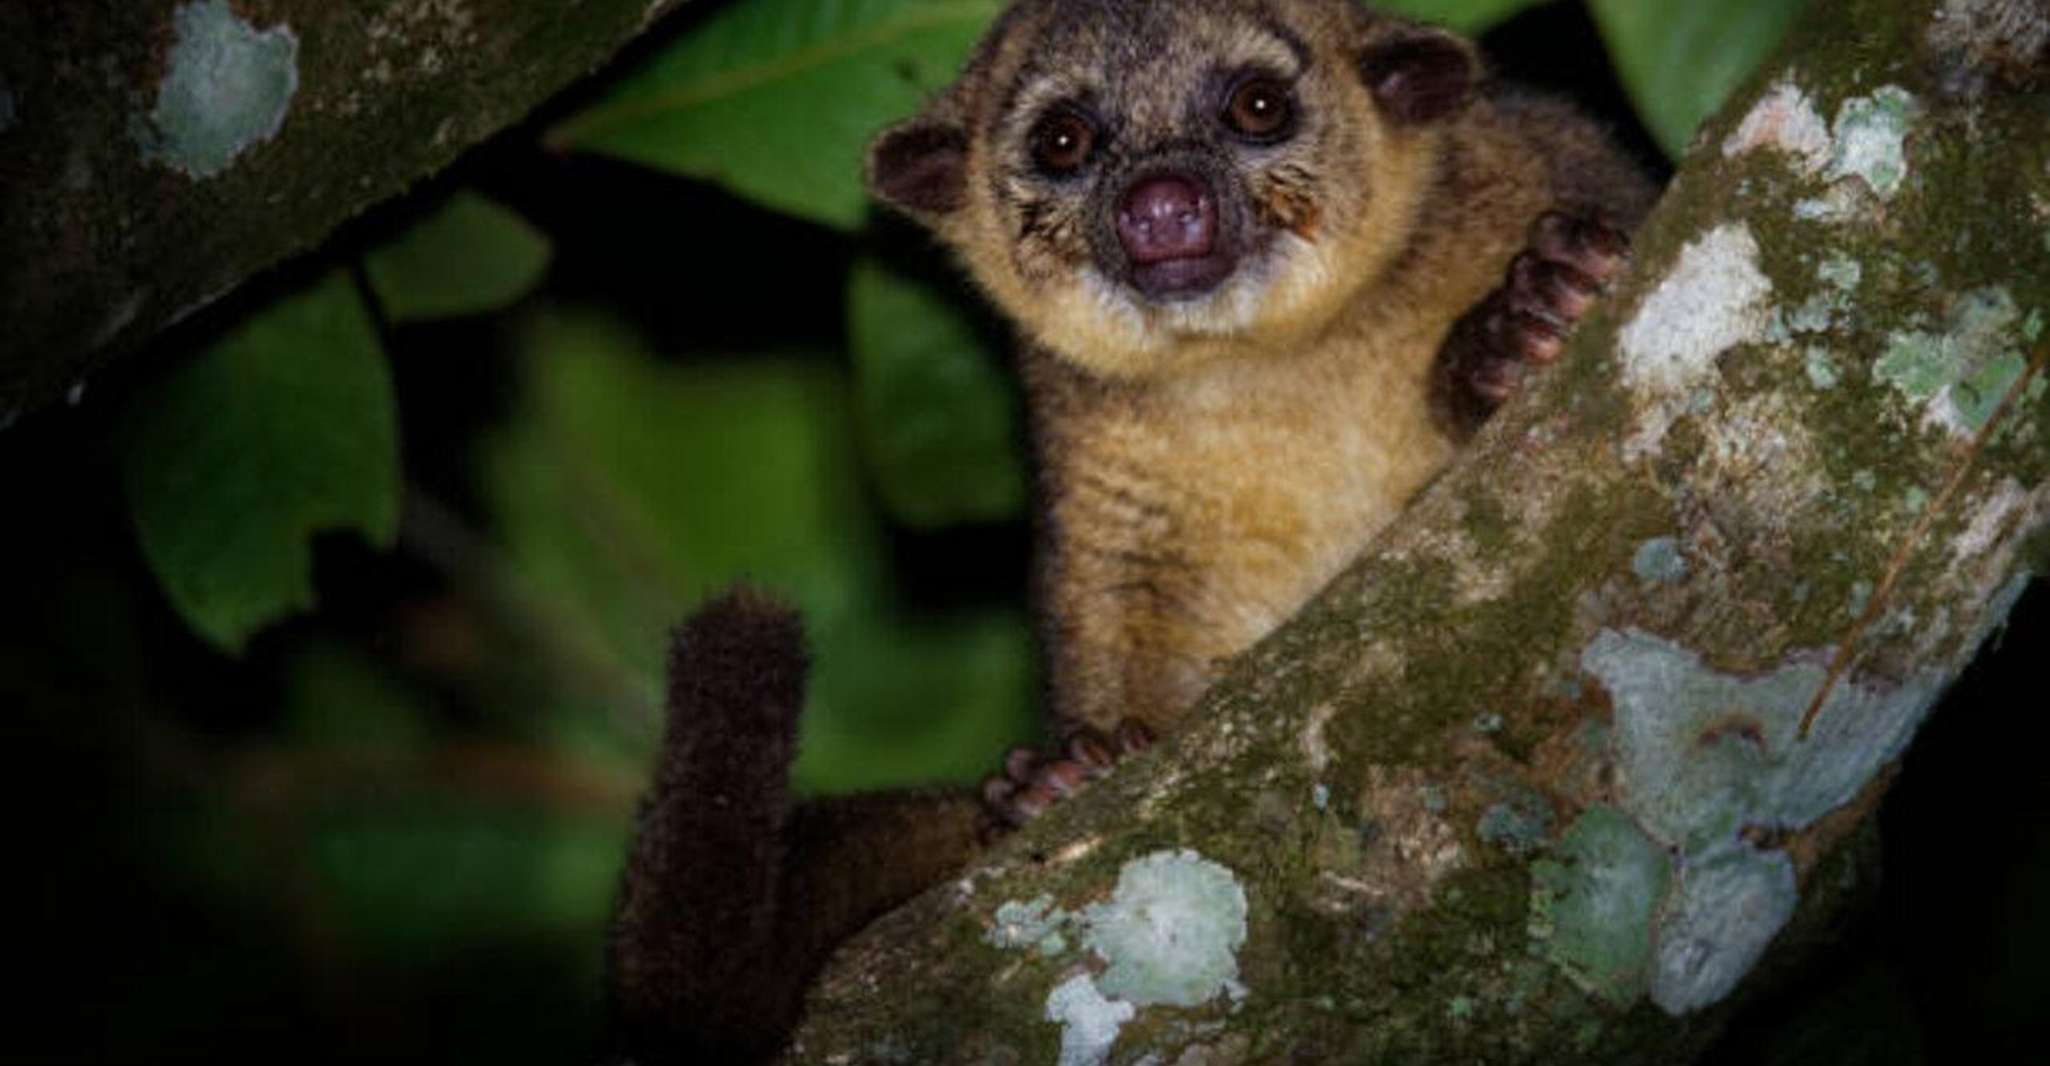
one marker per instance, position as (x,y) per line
(1166,217)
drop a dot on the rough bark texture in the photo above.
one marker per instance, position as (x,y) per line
(1583,752)
(156,153)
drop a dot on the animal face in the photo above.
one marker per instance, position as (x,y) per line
(1144,186)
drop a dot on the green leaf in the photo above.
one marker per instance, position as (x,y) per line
(775,99)
(1679,62)
(284,428)
(937,413)
(1466,16)
(468,257)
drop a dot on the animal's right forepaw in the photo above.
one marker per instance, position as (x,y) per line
(1549,285)
(1031,781)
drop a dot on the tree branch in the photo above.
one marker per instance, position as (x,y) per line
(154,155)
(1529,782)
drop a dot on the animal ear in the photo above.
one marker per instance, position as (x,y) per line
(1418,73)
(920,166)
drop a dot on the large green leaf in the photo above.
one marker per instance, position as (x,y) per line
(776,98)
(631,487)
(937,414)
(1466,16)
(283,429)
(1680,61)
(467,257)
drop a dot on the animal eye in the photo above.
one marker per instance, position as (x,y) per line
(1260,109)
(1062,141)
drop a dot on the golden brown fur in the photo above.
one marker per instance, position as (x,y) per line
(1206,464)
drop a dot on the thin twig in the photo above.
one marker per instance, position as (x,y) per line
(1899,563)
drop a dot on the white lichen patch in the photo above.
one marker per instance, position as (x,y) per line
(1786,120)
(1089,1022)
(1725,908)
(1867,141)
(1713,299)
(1702,754)
(1814,315)
(1960,373)
(1821,367)
(1837,203)
(1870,139)
(1659,559)
(1841,271)
(1037,924)
(226,87)
(1592,903)
(1170,932)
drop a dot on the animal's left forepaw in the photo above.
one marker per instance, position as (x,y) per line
(1525,322)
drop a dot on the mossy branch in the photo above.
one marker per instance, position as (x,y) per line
(154,155)
(1530,782)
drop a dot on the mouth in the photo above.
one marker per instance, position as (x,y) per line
(1182,278)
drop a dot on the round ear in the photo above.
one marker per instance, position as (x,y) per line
(1418,73)
(920,167)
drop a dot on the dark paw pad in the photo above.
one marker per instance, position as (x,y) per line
(1548,287)
(1032,781)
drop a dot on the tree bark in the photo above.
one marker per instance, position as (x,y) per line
(1583,751)
(154,154)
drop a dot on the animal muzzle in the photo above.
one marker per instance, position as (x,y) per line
(1174,232)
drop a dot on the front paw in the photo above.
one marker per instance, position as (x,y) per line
(1548,287)
(1031,781)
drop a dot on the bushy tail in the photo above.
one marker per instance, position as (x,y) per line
(733,895)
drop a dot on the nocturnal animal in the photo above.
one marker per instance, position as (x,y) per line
(1270,263)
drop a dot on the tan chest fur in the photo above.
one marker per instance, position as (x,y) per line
(1195,514)
(1189,514)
